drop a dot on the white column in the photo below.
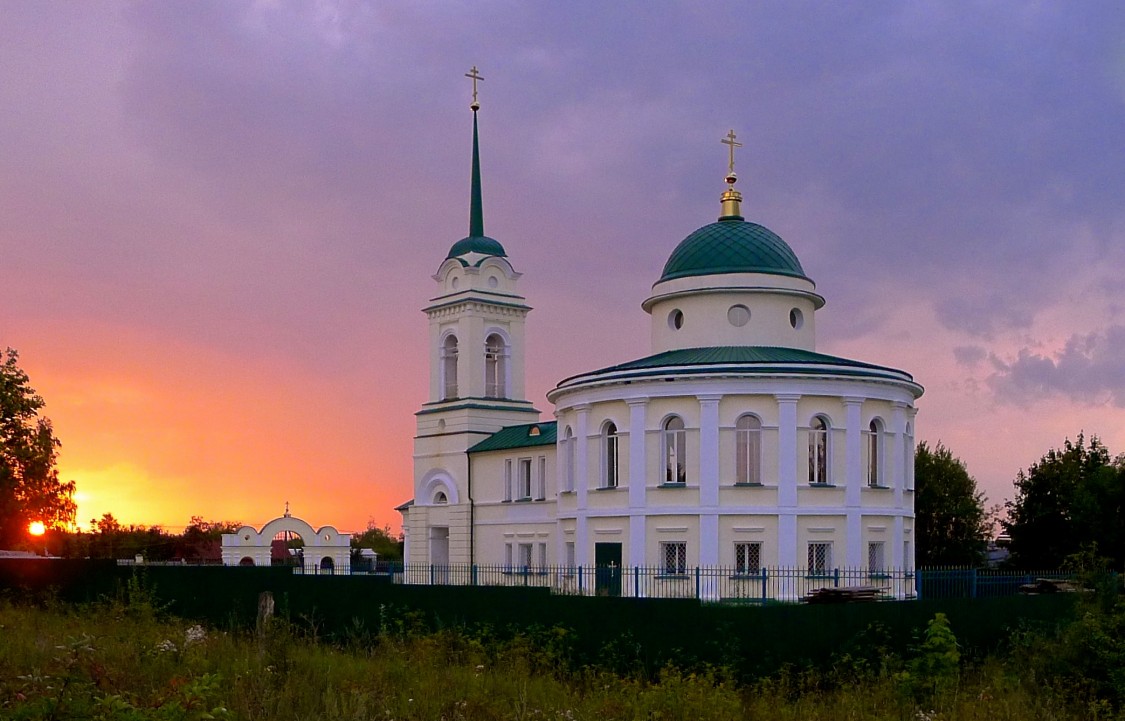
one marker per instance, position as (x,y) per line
(853,451)
(787,479)
(638,481)
(898,450)
(584,554)
(709,451)
(709,479)
(787,450)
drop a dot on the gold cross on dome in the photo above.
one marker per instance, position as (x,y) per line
(475,75)
(730,140)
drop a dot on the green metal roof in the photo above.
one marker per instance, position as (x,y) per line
(521,436)
(476,244)
(743,360)
(732,245)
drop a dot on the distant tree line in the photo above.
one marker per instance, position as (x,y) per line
(1069,504)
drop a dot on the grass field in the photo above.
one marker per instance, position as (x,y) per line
(125,661)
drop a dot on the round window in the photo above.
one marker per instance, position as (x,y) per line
(493,281)
(676,319)
(796,318)
(738,315)
(455,282)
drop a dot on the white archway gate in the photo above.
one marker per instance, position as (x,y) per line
(326,550)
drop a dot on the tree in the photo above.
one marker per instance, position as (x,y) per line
(380,540)
(30,489)
(1070,501)
(949,517)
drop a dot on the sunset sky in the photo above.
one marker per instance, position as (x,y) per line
(218,220)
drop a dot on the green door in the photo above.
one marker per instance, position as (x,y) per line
(607,562)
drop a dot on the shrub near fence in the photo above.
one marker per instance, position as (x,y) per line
(618,633)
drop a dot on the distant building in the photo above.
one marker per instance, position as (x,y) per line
(732,443)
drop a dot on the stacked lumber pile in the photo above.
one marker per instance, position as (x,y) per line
(846,594)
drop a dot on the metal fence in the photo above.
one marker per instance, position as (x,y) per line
(714,583)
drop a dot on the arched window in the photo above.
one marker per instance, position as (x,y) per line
(495,367)
(440,498)
(819,464)
(748,446)
(570,454)
(675,451)
(875,453)
(449,367)
(610,466)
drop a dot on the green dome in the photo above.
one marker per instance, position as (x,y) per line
(476,244)
(732,245)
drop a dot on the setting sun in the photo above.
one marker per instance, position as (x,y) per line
(36,528)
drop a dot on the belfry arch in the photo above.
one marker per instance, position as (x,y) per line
(326,550)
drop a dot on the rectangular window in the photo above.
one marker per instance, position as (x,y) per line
(820,558)
(748,558)
(524,491)
(542,555)
(508,480)
(873,457)
(673,555)
(875,557)
(907,558)
(525,556)
(507,555)
(541,480)
(571,561)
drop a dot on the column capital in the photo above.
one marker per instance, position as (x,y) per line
(581,408)
(853,400)
(787,397)
(710,397)
(632,402)
(899,405)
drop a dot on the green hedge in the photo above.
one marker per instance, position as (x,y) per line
(619,633)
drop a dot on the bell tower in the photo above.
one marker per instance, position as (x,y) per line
(476,387)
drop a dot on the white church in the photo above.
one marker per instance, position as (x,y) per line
(731,444)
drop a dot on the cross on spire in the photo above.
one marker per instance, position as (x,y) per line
(475,75)
(729,139)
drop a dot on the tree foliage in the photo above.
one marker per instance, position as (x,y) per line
(1071,500)
(950,519)
(30,489)
(380,540)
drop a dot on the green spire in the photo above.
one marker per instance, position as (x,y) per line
(476,208)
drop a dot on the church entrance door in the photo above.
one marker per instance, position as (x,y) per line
(439,554)
(607,561)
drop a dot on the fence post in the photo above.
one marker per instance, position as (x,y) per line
(973,583)
(525,572)
(835,578)
(697,596)
(765,584)
(636,581)
(580,581)
(473,574)
(431,574)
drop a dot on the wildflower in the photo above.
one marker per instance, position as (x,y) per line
(166,646)
(195,634)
